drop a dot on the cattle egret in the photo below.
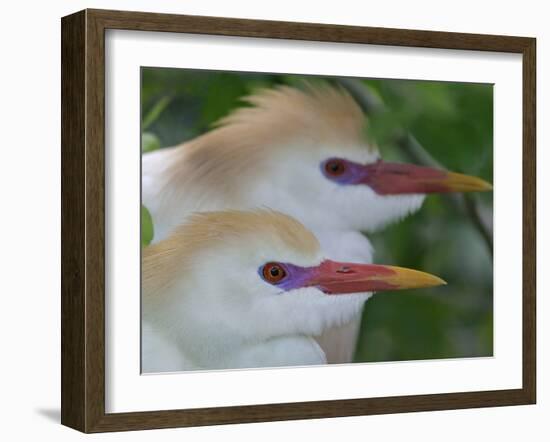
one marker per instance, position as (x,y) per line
(240,289)
(304,153)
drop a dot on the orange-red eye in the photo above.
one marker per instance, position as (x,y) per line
(335,167)
(273,272)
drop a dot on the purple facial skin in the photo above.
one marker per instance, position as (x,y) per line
(333,277)
(353,173)
(395,178)
(296,276)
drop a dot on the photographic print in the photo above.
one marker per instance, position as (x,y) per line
(252,204)
(292,220)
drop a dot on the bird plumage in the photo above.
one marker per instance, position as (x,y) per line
(208,301)
(196,317)
(227,166)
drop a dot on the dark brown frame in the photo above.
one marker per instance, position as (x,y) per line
(83,220)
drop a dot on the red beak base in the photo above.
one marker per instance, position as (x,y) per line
(395,179)
(337,278)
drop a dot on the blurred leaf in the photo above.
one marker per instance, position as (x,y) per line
(149,142)
(383,127)
(155,112)
(146,227)
(223,95)
(413,325)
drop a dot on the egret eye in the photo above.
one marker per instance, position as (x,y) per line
(335,167)
(273,272)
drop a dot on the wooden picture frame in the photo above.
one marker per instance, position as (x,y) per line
(83,220)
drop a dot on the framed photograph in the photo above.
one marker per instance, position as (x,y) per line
(269,220)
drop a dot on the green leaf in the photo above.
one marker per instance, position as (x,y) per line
(149,142)
(223,95)
(384,127)
(147,231)
(155,111)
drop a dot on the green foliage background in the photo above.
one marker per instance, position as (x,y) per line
(454,123)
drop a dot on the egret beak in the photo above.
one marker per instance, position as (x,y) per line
(336,278)
(395,179)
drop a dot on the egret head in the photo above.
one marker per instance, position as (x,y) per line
(305,152)
(255,275)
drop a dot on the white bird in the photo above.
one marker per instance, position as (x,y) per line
(304,153)
(249,289)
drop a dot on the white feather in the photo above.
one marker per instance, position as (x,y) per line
(219,313)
